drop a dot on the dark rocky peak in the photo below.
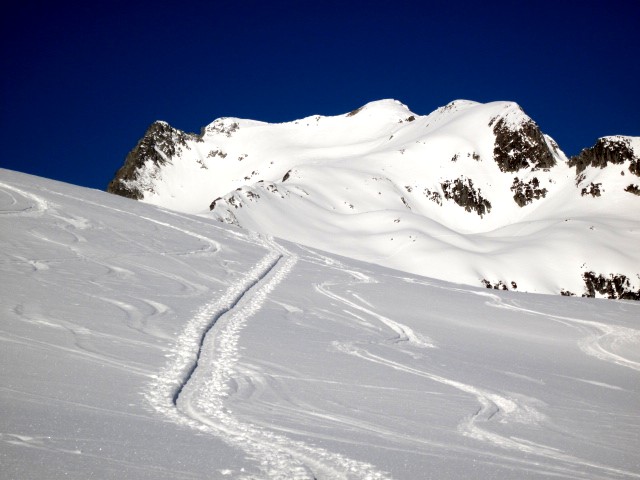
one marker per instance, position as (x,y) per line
(160,143)
(519,143)
(614,150)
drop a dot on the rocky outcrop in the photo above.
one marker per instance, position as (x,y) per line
(462,192)
(635,189)
(160,143)
(593,189)
(607,150)
(519,147)
(615,286)
(526,192)
(499,285)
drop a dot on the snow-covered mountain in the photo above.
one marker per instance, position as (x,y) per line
(472,193)
(137,342)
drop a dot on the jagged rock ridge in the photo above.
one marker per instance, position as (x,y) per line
(160,143)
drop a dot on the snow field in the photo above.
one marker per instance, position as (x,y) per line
(142,343)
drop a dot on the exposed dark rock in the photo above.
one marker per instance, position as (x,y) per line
(635,189)
(607,150)
(160,143)
(286,176)
(410,118)
(213,204)
(592,189)
(355,112)
(252,195)
(253,174)
(616,286)
(525,193)
(433,196)
(216,153)
(462,192)
(500,285)
(234,202)
(521,147)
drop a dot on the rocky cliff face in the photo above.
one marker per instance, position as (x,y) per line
(614,150)
(159,145)
(606,154)
(521,146)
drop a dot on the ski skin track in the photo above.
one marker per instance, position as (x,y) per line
(253,282)
(199,404)
(305,461)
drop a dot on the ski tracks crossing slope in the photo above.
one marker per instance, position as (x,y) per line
(194,386)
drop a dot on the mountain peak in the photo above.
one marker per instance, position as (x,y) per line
(450,195)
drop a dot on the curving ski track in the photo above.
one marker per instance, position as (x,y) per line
(601,339)
(192,389)
(495,406)
(19,202)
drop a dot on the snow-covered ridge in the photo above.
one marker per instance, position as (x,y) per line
(457,194)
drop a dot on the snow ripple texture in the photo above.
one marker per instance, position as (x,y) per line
(192,389)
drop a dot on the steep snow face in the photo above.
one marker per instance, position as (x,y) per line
(472,192)
(137,342)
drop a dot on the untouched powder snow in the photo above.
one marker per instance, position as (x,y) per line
(137,342)
(434,195)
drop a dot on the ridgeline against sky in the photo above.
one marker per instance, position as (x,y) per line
(81,83)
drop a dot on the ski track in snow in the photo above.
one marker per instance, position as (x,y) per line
(600,342)
(492,407)
(20,202)
(193,387)
(193,396)
(403,332)
(214,246)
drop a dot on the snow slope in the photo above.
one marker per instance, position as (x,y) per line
(472,193)
(141,343)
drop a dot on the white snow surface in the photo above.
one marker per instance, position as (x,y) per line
(362,185)
(137,342)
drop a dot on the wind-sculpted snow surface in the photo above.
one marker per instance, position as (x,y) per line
(142,343)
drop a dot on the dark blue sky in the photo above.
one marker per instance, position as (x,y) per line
(82,81)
